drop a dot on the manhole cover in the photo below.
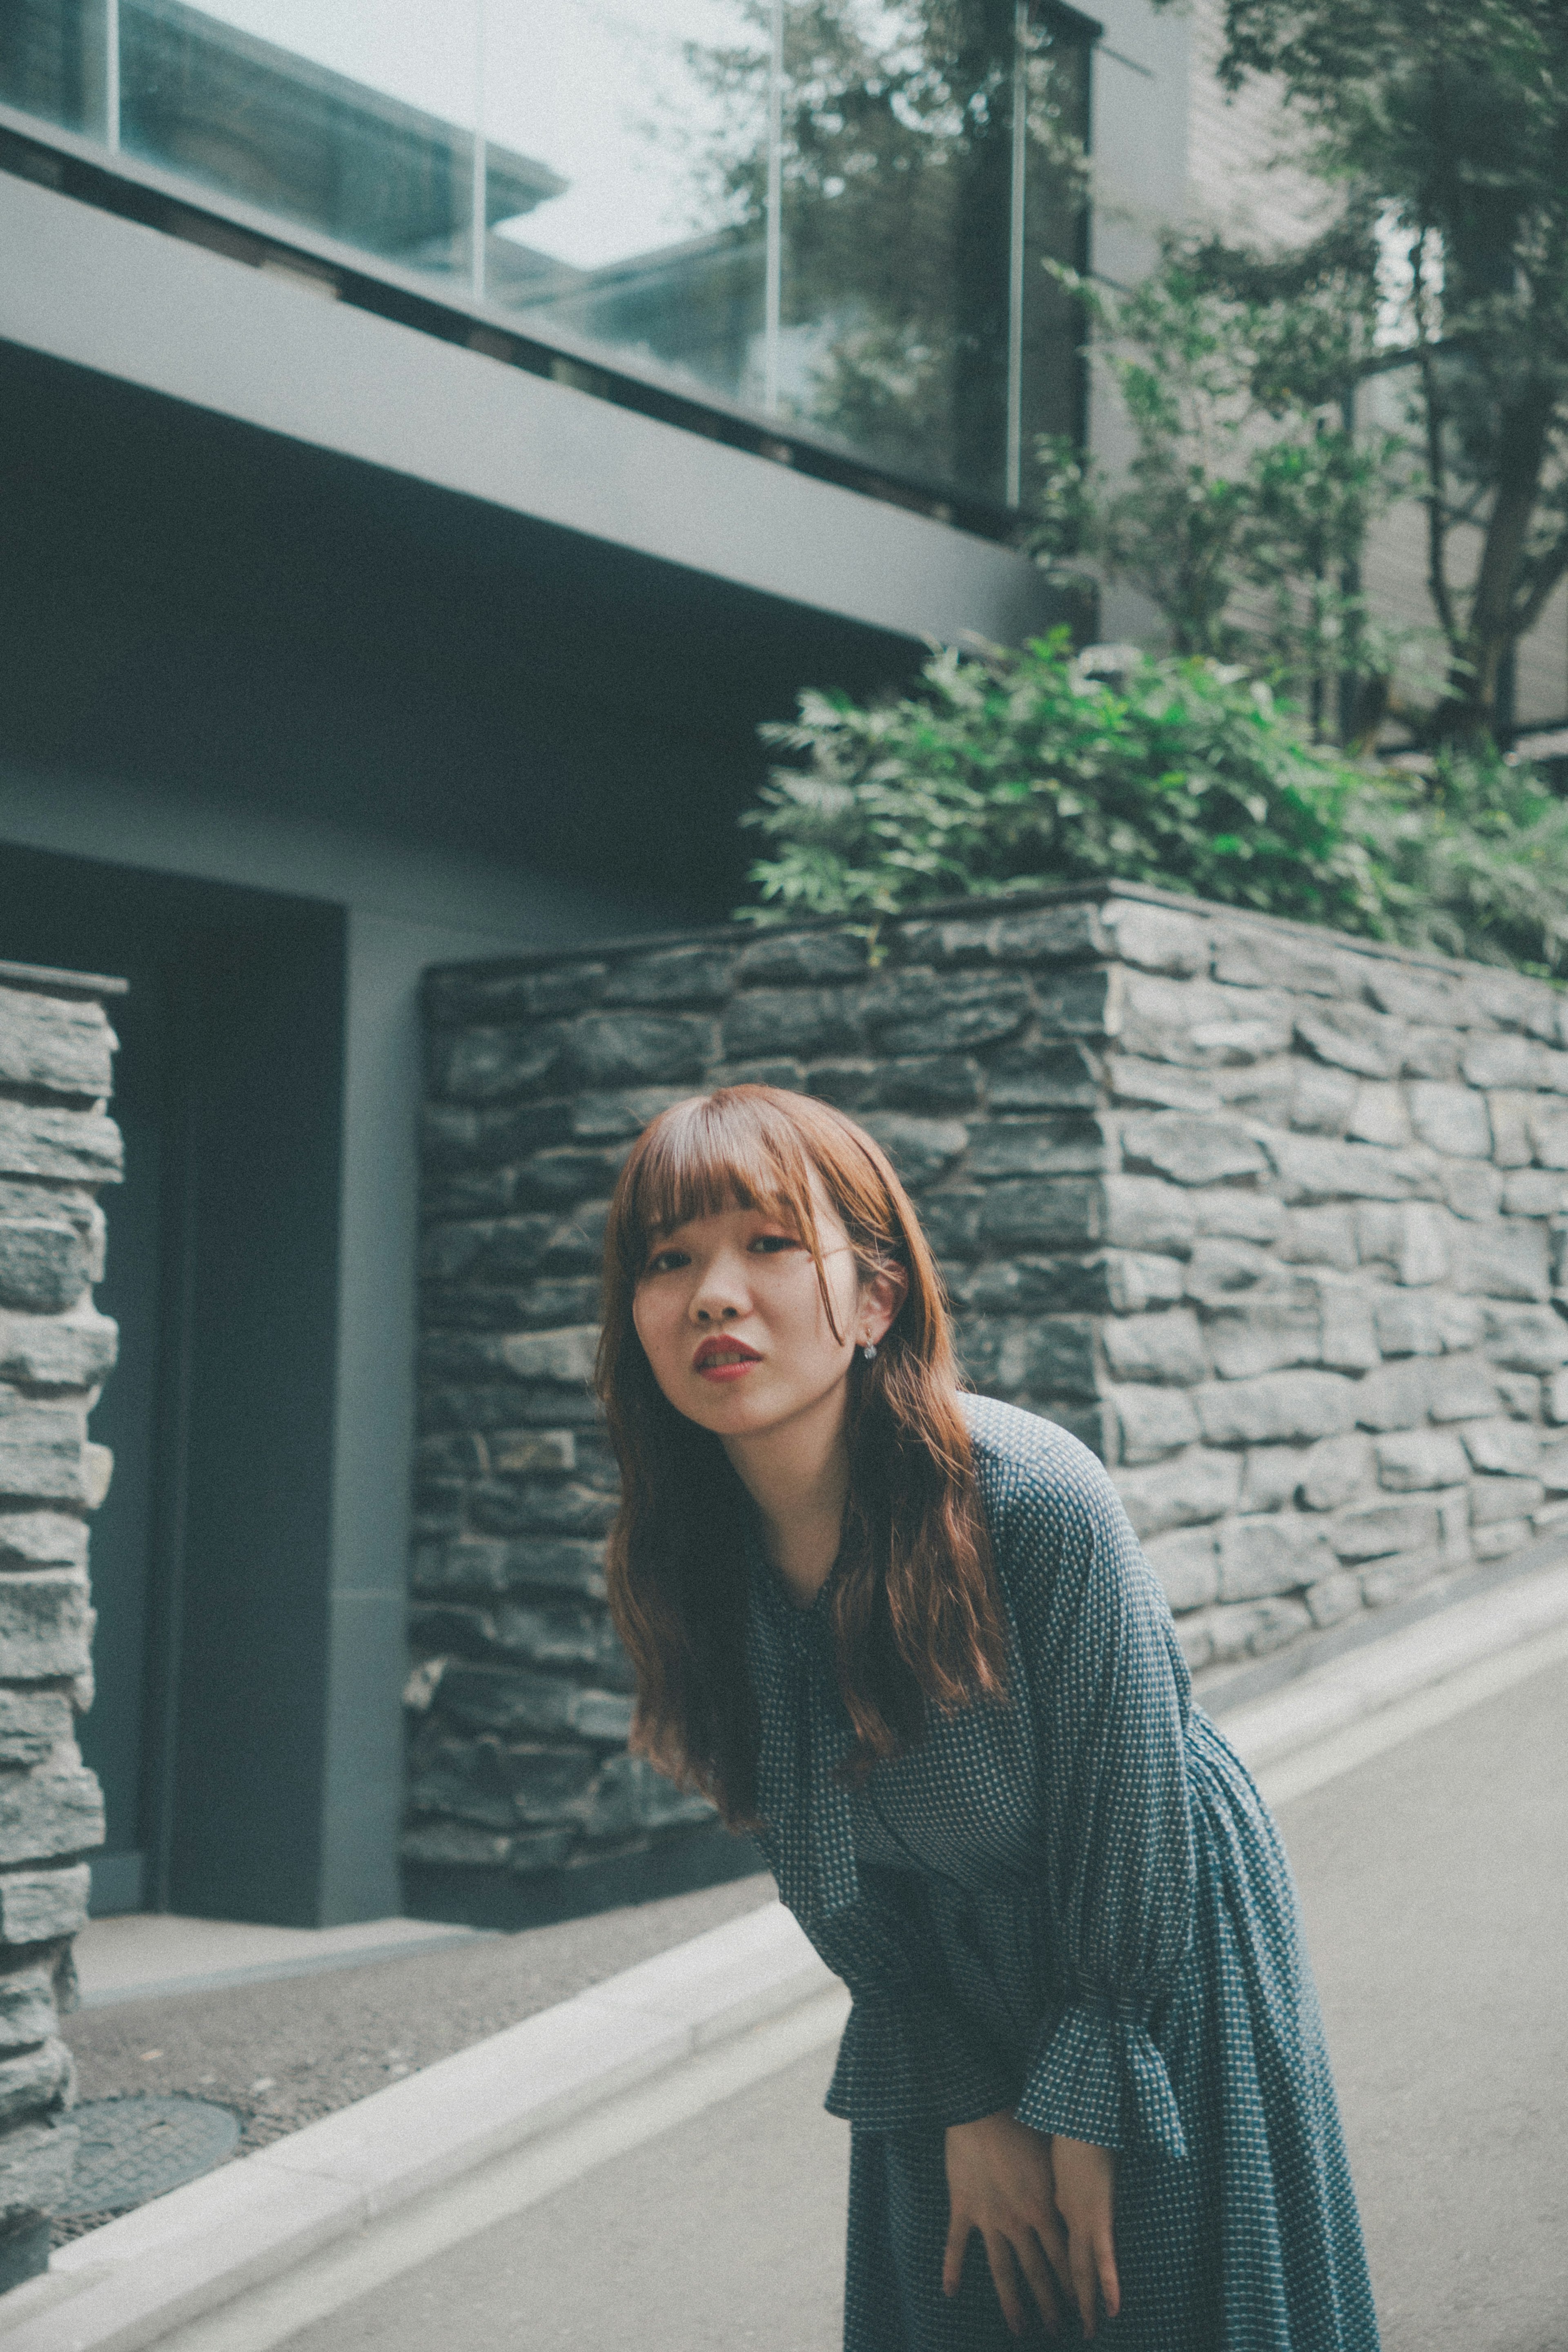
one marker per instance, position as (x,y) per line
(133,2149)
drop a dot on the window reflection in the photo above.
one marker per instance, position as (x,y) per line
(832,211)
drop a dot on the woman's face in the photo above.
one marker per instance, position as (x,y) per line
(730,1315)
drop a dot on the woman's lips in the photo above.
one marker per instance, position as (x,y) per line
(724,1359)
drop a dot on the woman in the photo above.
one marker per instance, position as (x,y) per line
(907,1637)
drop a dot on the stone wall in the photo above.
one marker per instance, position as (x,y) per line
(56,1149)
(1275,1219)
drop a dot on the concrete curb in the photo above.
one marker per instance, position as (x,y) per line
(128,2284)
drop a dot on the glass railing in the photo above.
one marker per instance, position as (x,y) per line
(832,214)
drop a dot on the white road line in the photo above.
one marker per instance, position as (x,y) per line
(1312,1768)
(353,2267)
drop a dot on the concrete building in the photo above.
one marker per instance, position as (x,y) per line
(379,591)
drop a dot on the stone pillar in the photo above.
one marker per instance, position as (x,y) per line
(56,1148)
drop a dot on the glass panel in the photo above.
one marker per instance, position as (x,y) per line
(356,119)
(1051,391)
(899,173)
(52,61)
(649,119)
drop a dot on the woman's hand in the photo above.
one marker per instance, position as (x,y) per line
(1085,2185)
(1000,2182)
(1039,2206)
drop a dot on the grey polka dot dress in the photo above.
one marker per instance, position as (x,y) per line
(1076,1906)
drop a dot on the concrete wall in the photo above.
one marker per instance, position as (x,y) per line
(1275,1219)
(58,1149)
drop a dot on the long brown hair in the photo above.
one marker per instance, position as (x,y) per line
(915,1615)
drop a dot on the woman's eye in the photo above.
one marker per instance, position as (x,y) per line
(770,1242)
(664,1262)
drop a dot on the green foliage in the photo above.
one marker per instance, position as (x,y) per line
(1008,770)
(1449,120)
(1245,504)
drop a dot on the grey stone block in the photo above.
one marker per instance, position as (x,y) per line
(1504,1259)
(1322,1101)
(560,1635)
(468,994)
(1201,1025)
(1274,1475)
(1512,1001)
(492,1066)
(1311,1168)
(543,1784)
(1394,1396)
(1415,994)
(35,2082)
(1548,1124)
(1065,1145)
(75,1351)
(1549,1465)
(683,975)
(42,1447)
(27,2014)
(793,957)
(1262,1092)
(1152,1422)
(66,1146)
(617,1114)
(53,1810)
(1472,1188)
(1253,1628)
(1221,1271)
(1188,1566)
(929,1082)
(40,1906)
(563,1357)
(1353,1037)
(1232,1213)
(1495,1500)
(1375,1529)
(1141,1212)
(1498,1537)
(539,1506)
(1490,1059)
(1510,1115)
(1265,1335)
(58,1044)
(1052,1356)
(1070,934)
(1412,1239)
(42,1539)
(641,1049)
(1517,1393)
(925,1012)
(480,1566)
(1027,1212)
(36,2160)
(1276,1552)
(1461,1388)
(1159,1347)
(1407,1323)
(1520,1338)
(1380,1114)
(33,1725)
(1267,955)
(1334,1597)
(1160,1085)
(1279,1407)
(1349,1329)
(1412,1459)
(45,1624)
(957,939)
(1081,1003)
(919,1148)
(1156,939)
(1190,1149)
(1196,1485)
(1335,1471)
(1042,1077)
(463,1844)
(629,1796)
(1114,1282)
(45,1263)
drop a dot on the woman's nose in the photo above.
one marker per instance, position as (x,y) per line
(720,1293)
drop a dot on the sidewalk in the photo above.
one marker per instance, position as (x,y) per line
(496,2125)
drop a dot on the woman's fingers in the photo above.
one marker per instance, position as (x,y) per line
(1105,2269)
(1085,2281)
(952,2255)
(1037,2271)
(999,2254)
(1052,2236)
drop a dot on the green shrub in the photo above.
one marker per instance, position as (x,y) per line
(1008,770)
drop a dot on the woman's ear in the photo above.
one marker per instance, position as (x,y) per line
(880,1301)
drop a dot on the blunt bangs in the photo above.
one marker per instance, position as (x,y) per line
(714,1153)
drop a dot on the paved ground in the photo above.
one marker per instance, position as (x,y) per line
(1436,1896)
(281,2053)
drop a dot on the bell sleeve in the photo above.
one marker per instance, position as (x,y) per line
(908,2056)
(1108,1691)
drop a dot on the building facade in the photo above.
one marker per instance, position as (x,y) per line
(433,439)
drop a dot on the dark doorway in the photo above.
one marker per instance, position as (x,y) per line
(210,1557)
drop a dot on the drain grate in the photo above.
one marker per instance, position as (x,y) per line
(133,2149)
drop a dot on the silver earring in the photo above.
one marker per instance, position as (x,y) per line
(869,1351)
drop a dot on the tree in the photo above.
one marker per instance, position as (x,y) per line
(1248,501)
(1450,119)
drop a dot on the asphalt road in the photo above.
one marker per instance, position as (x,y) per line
(1435,1880)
